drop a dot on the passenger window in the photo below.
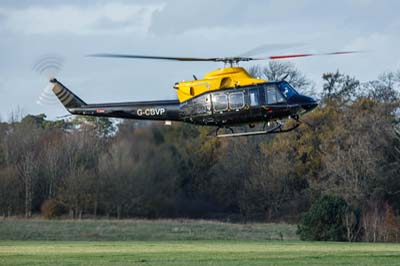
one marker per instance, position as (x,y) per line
(254,98)
(200,105)
(273,95)
(236,100)
(220,102)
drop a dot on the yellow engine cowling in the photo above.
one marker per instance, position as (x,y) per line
(222,78)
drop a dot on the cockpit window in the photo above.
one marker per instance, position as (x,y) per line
(272,94)
(287,90)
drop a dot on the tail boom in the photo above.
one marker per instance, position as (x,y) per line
(157,110)
(147,110)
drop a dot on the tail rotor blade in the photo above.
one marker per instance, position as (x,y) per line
(46,97)
(48,66)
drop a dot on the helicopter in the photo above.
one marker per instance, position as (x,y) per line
(224,98)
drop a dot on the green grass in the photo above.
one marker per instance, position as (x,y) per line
(175,242)
(193,253)
(110,230)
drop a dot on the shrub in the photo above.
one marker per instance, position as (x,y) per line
(324,221)
(52,208)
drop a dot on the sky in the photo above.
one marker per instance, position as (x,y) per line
(67,31)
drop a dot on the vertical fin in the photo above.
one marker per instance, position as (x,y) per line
(66,97)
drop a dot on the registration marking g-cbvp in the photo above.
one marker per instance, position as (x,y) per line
(150,111)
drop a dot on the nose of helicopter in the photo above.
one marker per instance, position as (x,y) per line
(309,104)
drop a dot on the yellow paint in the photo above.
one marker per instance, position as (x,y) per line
(229,77)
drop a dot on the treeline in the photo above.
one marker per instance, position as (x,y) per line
(90,167)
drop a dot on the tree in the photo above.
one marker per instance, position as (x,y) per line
(116,169)
(355,151)
(102,126)
(385,88)
(9,192)
(22,149)
(276,70)
(195,155)
(78,187)
(324,220)
(339,87)
(53,166)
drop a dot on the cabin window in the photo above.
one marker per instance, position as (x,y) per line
(220,102)
(254,97)
(236,100)
(192,91)
(199,105)
(273,95)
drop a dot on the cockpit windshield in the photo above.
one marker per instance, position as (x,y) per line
(287,90)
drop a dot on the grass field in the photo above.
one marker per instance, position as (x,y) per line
(191,253)
(110,230)
(175,242)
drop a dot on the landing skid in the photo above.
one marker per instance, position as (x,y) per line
(276,128)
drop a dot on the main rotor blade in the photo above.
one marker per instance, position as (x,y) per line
(267,48)
(275,57)
(218,59)
(155,57)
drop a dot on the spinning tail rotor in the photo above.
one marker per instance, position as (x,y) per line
(48,67)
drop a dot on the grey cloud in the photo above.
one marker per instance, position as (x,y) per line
(52,3)
(73,19)
(179,16)
(105,23)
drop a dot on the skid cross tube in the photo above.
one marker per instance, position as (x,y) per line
(275,130)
